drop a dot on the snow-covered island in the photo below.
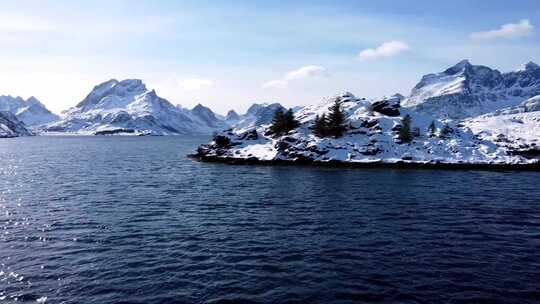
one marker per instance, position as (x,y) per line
(463,117)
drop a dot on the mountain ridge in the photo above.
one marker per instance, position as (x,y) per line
(128,107)
(30,111)
(467,90)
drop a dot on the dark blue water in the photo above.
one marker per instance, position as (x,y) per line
(132,220)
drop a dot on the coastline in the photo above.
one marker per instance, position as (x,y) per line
(533,167)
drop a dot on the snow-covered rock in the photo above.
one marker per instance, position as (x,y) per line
(467,90)
(30,111)
(515,127)
(372,137)
(128,107)
(11,126)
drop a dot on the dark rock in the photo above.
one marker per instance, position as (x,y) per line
(388,107)
(371,151)
(249,135)
(221,141)
(316,150)
(203,150)
(221,152)
(358,132)
(282,146)
(369,123)
(289,139)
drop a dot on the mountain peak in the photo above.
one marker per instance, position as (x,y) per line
(32,99)
(531,66)
(200,108)
(232,115)
(463,63)
(458,67)
(133,85)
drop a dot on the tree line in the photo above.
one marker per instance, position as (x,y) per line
(332,125)
(406,134)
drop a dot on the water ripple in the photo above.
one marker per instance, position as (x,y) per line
(131,220)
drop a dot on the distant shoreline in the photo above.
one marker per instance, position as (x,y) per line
(535,167)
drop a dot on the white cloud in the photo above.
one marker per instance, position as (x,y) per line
(300,73)
(194,84)
(510,30)
(385,50)
(306,71)
(275,84)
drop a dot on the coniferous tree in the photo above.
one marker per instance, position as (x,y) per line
(432,129)
(222,141)
(445,131)
(336,122)
(278,123)
(290,121)
(319,126)
(405,131)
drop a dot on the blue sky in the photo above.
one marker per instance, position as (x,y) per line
(229,54)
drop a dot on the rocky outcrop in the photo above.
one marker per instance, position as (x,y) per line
(388,106)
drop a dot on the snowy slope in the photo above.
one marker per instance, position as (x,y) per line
(128,107)
(204,115)
(467,90)
(516,127)
(372,137)
(30,111)
(10,126)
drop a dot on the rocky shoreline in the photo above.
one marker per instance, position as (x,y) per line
(368,165)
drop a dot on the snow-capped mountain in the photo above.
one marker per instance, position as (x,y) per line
(11,126)
(372,137)
(467,90)
(128,107)
(30,111)
(232,117)
(258,114)
(207,117)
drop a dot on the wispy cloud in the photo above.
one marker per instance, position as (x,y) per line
(306,71)
(385,50)
(275,84)
(195,84)
(300,73)
(509,30)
